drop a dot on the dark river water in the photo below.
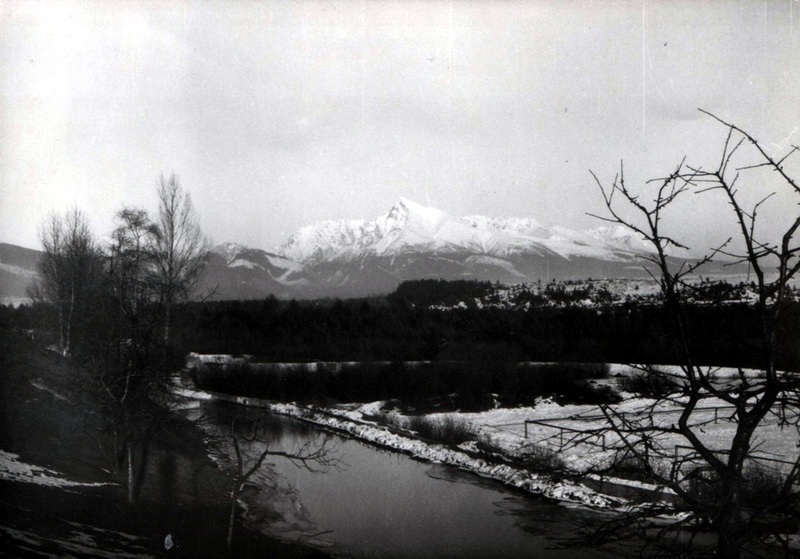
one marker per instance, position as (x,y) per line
(375,503)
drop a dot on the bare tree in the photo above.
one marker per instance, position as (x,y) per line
(149,266)
(69,271)
(132,368)
(731,488)
(180,248)
(133,365)
(133,268)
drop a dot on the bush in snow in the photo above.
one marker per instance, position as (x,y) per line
(446,429)
(586,392)
(541,457)
(649,384)
(761,487)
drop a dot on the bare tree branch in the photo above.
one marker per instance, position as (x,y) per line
(712,484)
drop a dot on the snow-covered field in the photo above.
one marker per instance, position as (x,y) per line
(505,427)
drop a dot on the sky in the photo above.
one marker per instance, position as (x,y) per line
(275,115)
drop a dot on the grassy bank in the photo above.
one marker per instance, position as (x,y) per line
(46,423)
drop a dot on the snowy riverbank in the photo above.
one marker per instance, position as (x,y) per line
(512,434)
(350,423)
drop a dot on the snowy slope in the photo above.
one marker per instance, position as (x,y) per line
(279,268)
(237,272)
(621,238)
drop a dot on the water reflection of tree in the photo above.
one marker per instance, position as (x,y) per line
(316,455)
(166,470)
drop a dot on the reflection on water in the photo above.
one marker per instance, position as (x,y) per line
(382,504)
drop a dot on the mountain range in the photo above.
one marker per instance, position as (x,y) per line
(349,258)
(356,257)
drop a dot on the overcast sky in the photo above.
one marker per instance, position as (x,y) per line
(278,114)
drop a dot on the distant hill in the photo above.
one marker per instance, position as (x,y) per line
(239,272)
(17,269)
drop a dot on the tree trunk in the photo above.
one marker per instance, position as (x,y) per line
(129,459)
(61,327)
(167,312)
(729,543)
(141,471)
(68,347)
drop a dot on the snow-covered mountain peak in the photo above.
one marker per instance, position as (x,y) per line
(409,227)
(410,215)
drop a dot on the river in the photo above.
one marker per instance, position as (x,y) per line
(375,503)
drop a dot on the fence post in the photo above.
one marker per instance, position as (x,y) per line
(525,423)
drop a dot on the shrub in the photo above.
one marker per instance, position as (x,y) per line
(649,384)
(533,456)
(540,457)
(393,419)
(584,392)
(761,485)
(630,467)
(446,429)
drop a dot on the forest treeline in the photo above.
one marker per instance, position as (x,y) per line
(417,387)
(409,326)
(398,327)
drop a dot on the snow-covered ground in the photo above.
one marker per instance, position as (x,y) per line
(78,540)
(505,428)
(12,469)
(564,428)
